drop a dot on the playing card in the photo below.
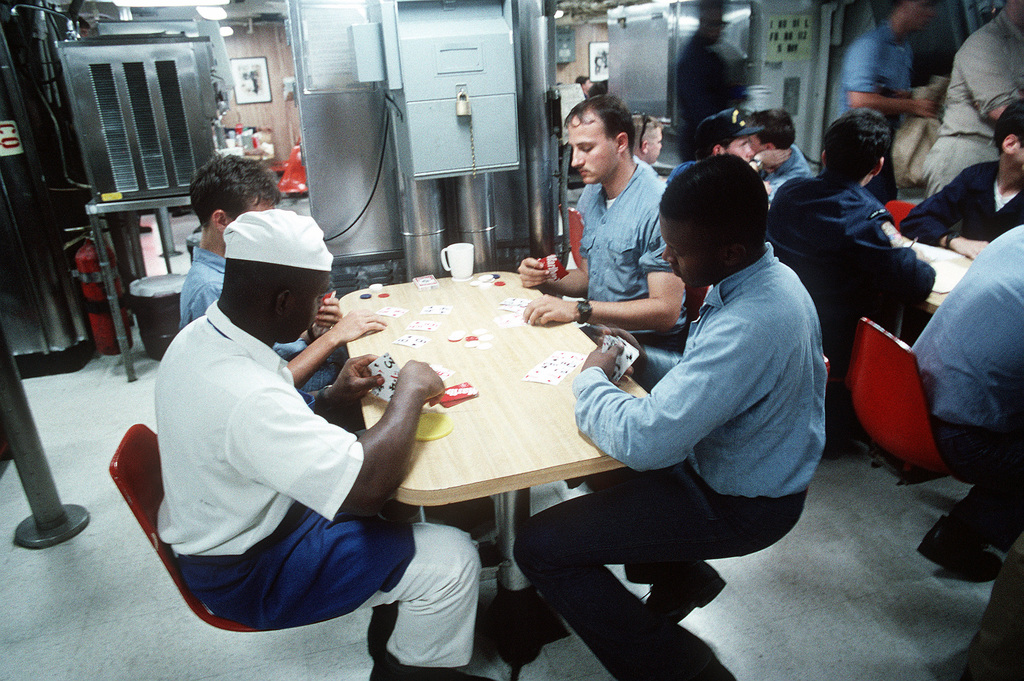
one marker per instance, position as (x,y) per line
(556,270)
(556,367)
(385,366)
(411,340)
(421,325)
(507,321)
(444,373)
(392,311)
(514,304)
(436,309)
(625,358)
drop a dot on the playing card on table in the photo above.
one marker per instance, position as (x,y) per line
(392,311)
(436,309)
(625,358)
(507,321)
(421,325)
(444,373)
(514,304)
(556,367)
(411,340)
(385,366)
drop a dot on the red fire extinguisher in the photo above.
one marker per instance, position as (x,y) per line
(87,263)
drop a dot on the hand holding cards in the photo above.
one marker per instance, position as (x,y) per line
(625,358)
(554,267)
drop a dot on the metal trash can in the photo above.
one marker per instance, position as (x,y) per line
(155,301)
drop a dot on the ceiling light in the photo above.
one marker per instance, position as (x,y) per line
(213,13)
(168,3)
(226,31)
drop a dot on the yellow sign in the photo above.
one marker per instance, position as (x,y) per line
(789,37)
(111,196)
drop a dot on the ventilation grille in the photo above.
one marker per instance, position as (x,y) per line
(145,126)
(112,124)
(177,123)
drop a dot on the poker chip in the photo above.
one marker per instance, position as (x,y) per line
(487,337)
(364,296)
(472,343)
(496,276)
(376,287)
(383,295)
(433,426)
(484,346)
(456,336)
(475,282)
(485,284)
(472,337)
(479,332)
(484,277)
(499,283)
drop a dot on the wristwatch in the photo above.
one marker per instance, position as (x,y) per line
(583,309)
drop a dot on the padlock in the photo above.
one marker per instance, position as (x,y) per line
(462,107)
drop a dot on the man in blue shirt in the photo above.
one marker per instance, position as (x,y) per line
(779,158)
(841,242)
(622,276)
(221,190)
(723,447)
(876,74)
(971,358)
(725,132)
(982,202)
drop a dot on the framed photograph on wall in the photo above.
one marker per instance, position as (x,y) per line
(252,83)
(598,61)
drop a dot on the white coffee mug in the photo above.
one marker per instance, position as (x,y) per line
(458,259)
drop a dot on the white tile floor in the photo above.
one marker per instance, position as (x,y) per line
(844,597)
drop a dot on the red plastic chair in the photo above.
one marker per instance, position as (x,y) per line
(135,469)
(889,399)
(293,181)
(575,234)
(898,210)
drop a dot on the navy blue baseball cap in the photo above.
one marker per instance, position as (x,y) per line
(724,125)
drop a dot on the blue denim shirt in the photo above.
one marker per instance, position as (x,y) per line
(744,404)
(876,63)
(971,353)
(202,285)
(795,166)
(622,244)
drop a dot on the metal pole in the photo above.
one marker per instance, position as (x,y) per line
(107,273)
(50,522)
(163,227)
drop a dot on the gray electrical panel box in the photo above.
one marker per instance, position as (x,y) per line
(450,65)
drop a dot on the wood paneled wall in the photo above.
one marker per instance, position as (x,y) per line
(585,34)
(279,115)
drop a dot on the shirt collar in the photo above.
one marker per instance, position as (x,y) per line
(255,348)
(208,258)
(724,289)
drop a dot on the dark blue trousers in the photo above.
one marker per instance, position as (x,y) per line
(660,516)
(994,464)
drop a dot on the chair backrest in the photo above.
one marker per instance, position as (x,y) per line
(135,469)
(575,234)
(889,399)
(898,210)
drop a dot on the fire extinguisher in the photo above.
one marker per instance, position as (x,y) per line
(87,263)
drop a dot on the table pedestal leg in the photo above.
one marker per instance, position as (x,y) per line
(518,620)
(163,227)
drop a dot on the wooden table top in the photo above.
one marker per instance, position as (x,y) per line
(948,274)
(516,433)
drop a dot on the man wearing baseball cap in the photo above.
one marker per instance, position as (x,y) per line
(726,132)
(272,510)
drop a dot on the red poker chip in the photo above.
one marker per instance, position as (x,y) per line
(383,295)
(471,338)
(499,283)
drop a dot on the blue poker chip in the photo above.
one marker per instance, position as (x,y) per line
(496,276)
(366,295)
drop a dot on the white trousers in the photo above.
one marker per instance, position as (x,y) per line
(437,599)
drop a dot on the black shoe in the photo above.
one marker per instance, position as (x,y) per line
(390,669)
(692,585)
(382,623)
(956,547)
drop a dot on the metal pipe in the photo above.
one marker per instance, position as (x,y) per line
(422,224)
(472,217)
(50,522)
(536,42)
(512,509)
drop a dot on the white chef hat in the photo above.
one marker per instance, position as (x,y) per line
(279,237)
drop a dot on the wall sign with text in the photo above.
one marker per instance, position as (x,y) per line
(10,140)
(789,37)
